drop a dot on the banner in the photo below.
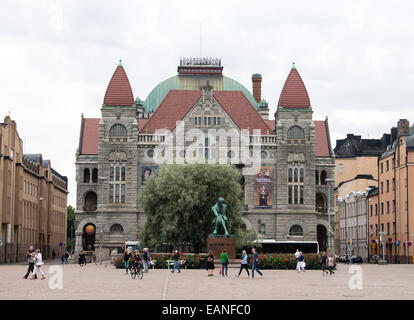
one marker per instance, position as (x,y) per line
(149,171)
(264,187)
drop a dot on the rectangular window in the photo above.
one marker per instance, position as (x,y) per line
(116,193)
(370,207)
(382,227)
(123,174)
(301,194)
(382,187)
(382,207)
(388,165)
(296,194)
(111,193)
(376,209)
(340,168)
(290,194)
(382,167)
(393,184)
(393,205)
(388,207)
(117,174)
(388,185)
(215,120)
(122,193)
(218,121)
(205,121)
(111,174)
(209,120)
(388,228)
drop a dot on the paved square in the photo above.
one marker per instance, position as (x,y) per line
(106,282)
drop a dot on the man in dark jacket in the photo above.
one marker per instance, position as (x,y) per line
(30,255)
(176,262)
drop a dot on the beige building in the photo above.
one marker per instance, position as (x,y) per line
(33,198)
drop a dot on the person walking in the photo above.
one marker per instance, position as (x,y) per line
(243,264)
(38,265)
(53,254)
(255,263)
(127,256)
(324,263)
(176,262)
(301,263)
(82,260)
(210,264)
(331,264)
(146,259)
(30,255)
(224,262)
(66,257)
(62,259)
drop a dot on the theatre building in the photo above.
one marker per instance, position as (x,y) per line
(285,168)
(33,200)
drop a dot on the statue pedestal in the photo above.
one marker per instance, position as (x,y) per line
(218,243)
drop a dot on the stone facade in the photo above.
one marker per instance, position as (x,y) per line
(138,149)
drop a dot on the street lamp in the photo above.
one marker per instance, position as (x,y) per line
(102,179)
(329,181)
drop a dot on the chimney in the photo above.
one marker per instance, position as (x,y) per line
(403,127)
(257,87)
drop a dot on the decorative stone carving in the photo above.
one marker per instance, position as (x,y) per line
(296,157)
(117,156)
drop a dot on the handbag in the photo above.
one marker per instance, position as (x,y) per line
(39,264)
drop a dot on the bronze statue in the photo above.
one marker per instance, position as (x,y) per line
(220,219)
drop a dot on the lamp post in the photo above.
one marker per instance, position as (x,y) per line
(102,179)
(329,181)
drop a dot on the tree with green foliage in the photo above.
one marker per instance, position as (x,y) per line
(70,228)
(178,203)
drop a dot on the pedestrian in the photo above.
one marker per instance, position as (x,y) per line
(224,262)
(146,259)
(301,263)
(324,263)
(66,257)
(30,256)
(255,263)
(297,254)
(331,264)
(53,254)
(38,265)
(243,264)
(82,260)
(127,256)
(176,262)
(62,259)
(210,263)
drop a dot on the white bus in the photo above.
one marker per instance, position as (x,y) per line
(273,246)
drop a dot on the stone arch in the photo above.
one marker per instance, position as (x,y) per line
(90,201)
(321,203)
(116,228)
(296,230)
(107,227)
(83,223)
(292,223)
(247,223)
(295,132)
(118,130)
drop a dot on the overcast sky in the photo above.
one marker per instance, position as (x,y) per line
(57,57)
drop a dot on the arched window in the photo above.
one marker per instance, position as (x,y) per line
(295,132)
(90,202)
(296,230)
(118,130)
(116,228)
(86,175)
(320,203)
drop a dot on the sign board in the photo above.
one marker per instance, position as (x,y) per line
(409,243)
(60,244)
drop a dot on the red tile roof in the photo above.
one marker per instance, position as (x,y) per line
(142,123)
(321,139)
(270,124)
(174,107)
(119,92)
(241,111)
(90,138)
(294,94)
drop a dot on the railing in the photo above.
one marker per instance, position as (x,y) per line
(151,138)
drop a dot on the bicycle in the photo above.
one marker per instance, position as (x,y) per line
(137,270)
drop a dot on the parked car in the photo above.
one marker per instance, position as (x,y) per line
(356,259)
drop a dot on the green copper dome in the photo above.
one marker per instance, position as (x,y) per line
(194,82)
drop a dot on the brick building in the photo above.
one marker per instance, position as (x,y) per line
(285,196)
(391,208)
(33,198)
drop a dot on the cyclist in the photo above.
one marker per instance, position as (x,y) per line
(137,260)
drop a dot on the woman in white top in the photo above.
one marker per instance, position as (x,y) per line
(38,265)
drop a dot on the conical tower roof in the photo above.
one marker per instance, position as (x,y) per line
(294,94)
(119,92)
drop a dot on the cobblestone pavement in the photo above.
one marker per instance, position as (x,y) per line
(106,282)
